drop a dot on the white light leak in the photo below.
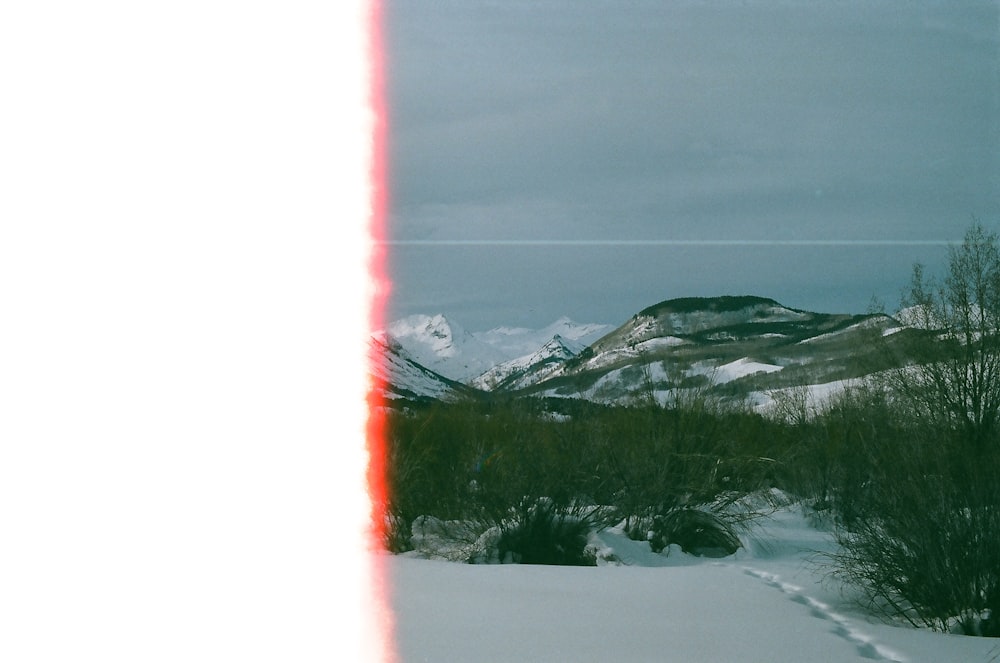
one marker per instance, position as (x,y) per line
(184,284)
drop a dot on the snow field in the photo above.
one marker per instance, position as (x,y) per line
(770,602)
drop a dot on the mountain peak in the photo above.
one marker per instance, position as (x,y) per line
(530,368)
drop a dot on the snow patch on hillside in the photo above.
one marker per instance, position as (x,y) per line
(863,324)
(817,395)
(643,328)
(731,371)
(924,317)
(659,343)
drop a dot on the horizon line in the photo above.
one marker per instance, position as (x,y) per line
(667,242)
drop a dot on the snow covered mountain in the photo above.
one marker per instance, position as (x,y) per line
(401,377)
(518,342)
(530,369)
(741,347)
(446,348)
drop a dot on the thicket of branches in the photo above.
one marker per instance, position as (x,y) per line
(671,475)
(909,461)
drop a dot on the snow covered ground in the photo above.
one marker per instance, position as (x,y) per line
(734,370)
(769,603)
(816,395)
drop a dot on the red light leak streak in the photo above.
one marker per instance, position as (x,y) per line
(377,258)
(379,289)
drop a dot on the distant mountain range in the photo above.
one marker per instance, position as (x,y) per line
(446,348)
(741,347)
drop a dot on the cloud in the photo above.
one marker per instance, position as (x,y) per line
(768,120)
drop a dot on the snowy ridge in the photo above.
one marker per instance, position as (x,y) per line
(516,342)
(444,347)
(529,369)
(402,377)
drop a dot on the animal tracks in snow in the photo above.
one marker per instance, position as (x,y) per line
(866,646)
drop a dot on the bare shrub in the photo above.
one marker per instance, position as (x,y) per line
(927,547)
(540,532)
(696,531)
(920,528)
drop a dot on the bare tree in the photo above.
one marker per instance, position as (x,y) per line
(924,539)
(954,380)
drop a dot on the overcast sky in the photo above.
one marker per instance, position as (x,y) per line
(592,158)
